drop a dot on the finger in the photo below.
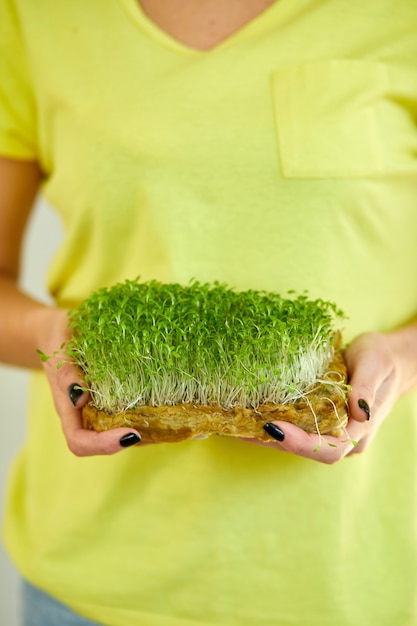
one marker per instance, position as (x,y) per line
(77,394)
(265,444)
(322,448)
(361,446)
(367,374)
(69,400)
(84,442)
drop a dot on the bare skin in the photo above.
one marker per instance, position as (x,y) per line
(205,24)
(382,367)
(27,324)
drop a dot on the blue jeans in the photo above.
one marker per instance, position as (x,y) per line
(40,609)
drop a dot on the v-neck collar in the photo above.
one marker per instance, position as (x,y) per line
(156,33)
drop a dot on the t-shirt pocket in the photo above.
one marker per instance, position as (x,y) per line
(332,120)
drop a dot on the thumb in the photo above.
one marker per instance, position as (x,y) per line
(78,395)
(366,375)
(70,396)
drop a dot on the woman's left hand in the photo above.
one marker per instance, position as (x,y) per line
(381,368)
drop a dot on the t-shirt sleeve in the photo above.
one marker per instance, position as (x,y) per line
(17,103)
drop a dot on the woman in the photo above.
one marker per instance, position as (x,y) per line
(233,142)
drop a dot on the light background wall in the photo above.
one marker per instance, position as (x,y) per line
(42,239)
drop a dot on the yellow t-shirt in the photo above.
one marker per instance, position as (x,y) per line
(285,158)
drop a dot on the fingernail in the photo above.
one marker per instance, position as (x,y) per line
(129,440)
(365,407)
(74,392)
(274,431)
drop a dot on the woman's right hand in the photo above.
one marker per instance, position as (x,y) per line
(27,324)
(67,384)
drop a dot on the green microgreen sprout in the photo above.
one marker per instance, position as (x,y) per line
(150,343)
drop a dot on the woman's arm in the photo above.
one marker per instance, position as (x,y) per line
(21,318)
(27,325)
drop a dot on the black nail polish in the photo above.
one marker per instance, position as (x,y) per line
(274,431)
(129,440)
(74,392)
(365,407)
